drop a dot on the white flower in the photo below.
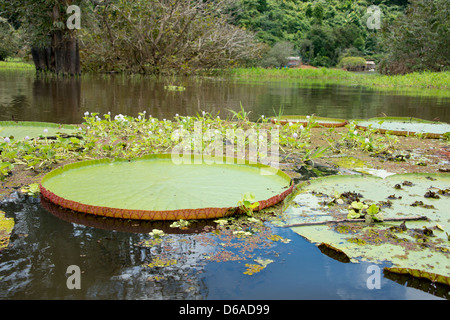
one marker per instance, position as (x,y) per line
(301,127)
(119,117)
(177,115)
(355,132)
(27,138)
(86,113)
(307,117)
(7,140)
(262,116)
(45,130)
(150,133)
(295,135)
(367,140)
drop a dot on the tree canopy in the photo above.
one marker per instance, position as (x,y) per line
(183,35)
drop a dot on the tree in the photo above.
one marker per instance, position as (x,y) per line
(278,55)
(54,47)
(163,36)
(419,39)
(9,40)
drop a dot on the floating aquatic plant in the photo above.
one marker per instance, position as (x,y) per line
(6,227)
(406,236)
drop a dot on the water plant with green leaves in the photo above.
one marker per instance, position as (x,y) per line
(408,226)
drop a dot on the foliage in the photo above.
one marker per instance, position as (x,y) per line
(6,227)
(352,63)
(322,31)
(9,40)
(278,54)
(164,36)
(415,80)
(419,39)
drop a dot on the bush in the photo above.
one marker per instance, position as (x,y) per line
(277,56)
(9,40)
(352,63)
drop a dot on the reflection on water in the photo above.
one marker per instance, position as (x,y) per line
(23,96)
(115,264)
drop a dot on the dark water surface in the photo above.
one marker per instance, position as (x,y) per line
(46,241)
(25,97)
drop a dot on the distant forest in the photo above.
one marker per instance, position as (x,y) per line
(143,36)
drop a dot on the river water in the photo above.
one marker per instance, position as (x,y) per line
(25,97)
(46,240)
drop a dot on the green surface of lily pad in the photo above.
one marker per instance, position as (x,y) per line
(157,184)
(406,126)
(416,245)
(20,130)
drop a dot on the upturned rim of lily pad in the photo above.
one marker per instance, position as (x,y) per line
(318,121)
(164,215)
(430,135)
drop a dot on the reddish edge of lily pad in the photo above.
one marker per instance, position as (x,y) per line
(420,274)
(185,214)
(319,121)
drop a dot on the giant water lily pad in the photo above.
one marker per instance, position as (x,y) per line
(304,120)
(405,126)
(21,129)
(6,226)
(157,188)
(420,246)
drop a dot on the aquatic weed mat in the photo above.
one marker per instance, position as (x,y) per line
(413,236)
(157,188)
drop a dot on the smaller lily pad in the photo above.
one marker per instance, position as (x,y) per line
(6,226)
(405,126)
(410,236)
(304,120)
(22,129)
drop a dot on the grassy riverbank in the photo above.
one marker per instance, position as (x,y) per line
(16,65)
(416,80)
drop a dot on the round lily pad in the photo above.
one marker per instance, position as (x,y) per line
(157,188)
(405,126)
(415,226)
(304,120)
(21,129)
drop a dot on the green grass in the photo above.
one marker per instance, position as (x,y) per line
(16,64)
(416,80)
